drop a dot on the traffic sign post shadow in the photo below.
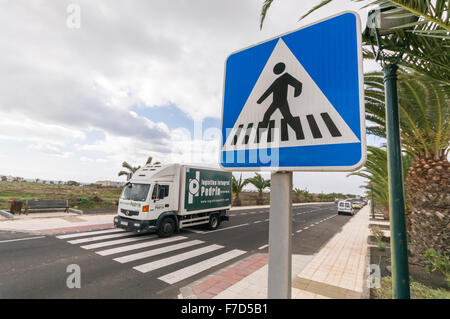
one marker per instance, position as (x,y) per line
(294,103)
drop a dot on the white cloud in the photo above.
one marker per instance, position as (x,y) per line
(14,126)
(58,84)
(49,149)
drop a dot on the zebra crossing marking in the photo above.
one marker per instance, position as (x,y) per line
(144,268)
(122,249)
(110,239)
(197,268)
(97,238)
(158,251)
(98,232)
(116,242)
(298,131)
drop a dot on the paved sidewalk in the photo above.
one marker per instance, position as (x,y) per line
(336,271)
(60,224)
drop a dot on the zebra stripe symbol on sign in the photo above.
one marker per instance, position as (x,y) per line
(297,114)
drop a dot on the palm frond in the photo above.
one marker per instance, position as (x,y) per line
(265,8)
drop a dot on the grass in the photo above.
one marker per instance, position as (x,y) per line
(418,290)
(81,196)
(89,196)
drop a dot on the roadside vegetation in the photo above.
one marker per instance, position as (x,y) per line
(243,197)
(84,197)
(418,291)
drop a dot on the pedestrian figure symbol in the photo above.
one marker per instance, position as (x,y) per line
(279,89)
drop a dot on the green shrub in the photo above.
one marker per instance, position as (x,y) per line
(438,262)
(378,234)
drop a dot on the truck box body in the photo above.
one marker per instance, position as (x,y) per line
(189,194)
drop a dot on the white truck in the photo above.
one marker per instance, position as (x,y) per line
(167,198)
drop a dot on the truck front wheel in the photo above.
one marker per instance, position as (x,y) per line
(167,227)
(214,222)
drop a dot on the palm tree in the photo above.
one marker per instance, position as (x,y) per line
(238,186)
(376,172)
(303,195)
(433,13)
(260,183)
(149,161)
(428,51)
(133,169)
(425,134)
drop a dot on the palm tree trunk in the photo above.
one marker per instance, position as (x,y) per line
(428,207)
(237,201)
(260,199)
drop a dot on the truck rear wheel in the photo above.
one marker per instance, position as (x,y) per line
(167,227)
(214,222)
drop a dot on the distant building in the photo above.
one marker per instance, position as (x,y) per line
(109,183)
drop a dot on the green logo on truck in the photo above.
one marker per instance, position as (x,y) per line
(207,189)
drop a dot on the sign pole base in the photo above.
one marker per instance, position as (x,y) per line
(280,229)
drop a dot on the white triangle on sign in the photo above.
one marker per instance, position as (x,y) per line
(320,123)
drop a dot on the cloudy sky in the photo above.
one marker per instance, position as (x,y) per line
(130,79)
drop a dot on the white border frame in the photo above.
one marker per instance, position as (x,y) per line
(362,110)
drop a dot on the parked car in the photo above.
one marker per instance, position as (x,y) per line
(357,204)
(345,207)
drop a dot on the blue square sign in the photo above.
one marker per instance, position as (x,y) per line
(296,102)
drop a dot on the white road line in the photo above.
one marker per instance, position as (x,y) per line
(257,222)
(305,227)
(122,249)
(144,268)
(158,251)
(312,225)
(20,239)
(116,242)
(115,230)
(95,238)
(220,229)
(190,271)
(264,246)
(195,230)
(299,231)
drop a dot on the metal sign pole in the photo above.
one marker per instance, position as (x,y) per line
(280,229)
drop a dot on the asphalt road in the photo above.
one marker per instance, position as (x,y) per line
(34,266)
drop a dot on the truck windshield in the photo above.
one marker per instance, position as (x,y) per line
(137,192)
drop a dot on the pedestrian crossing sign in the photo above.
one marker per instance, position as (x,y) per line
(296,101)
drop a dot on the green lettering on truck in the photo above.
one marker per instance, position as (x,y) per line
(207,189)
